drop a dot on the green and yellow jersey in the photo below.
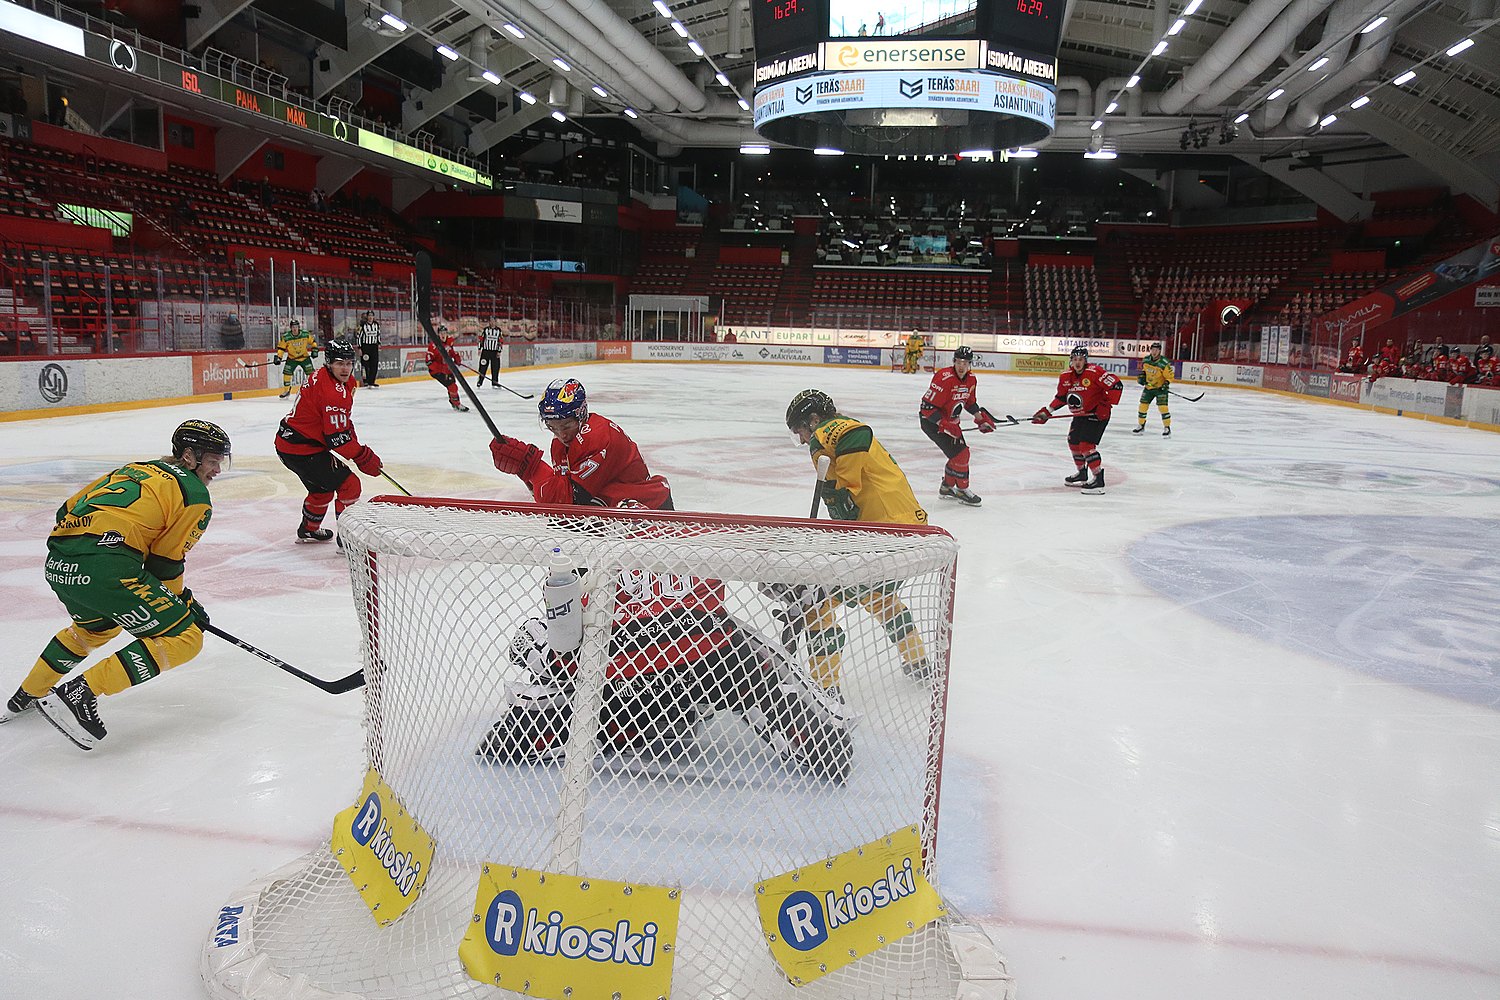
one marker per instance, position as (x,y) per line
(158,509)
(861,465)
(1157,373)
(297,345)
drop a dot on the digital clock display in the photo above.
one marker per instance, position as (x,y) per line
(1030,25)
(787,24)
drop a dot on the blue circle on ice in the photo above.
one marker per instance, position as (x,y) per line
(1406,599)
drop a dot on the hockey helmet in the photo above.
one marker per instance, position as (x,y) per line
(339,349)
(295,324)
(806,405)
(564,399)
(964,354)
(201,438)
(1079,352)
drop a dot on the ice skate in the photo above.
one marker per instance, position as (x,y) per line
(461,408)
(73,709)
(19,703)
(284,394)
(306,534)
(1097,486)
(963,495)
(945,490)
(1139,430)
(1079,478)
(1166,432)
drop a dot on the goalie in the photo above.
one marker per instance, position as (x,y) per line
(676,657)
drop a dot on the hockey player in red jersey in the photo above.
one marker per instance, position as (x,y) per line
(676,657)
(437,367)
(593,460)
(319,425)
(1089,392)
(952,391)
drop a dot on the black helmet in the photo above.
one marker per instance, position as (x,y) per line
(201,437)
(807,403)
(339,349)
(1079,352)
(964,354)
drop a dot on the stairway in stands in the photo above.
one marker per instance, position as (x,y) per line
(794,296)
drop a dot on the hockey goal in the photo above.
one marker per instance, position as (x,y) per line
(684,747)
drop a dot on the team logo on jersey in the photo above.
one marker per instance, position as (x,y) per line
(110,539)
(554,935)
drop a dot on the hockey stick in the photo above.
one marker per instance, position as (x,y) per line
(343,684)
(823,463)
(393,482)
(1190,399)
(263,364)
(526,395)
(424,317)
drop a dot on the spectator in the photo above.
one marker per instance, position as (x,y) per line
(1390,352)
(1439,349)
(1485,350)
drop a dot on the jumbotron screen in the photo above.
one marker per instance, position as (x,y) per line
(906,76)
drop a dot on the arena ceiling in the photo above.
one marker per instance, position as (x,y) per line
(1220,73)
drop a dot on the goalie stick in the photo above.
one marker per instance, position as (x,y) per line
(340,686)
(424,317)
(1190,399)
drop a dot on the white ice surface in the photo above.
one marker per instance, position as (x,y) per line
(1230,731)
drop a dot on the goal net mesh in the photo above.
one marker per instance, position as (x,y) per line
(688,781)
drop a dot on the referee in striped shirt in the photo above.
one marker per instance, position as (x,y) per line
(369,348)
(491,339)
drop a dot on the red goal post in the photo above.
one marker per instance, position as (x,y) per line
(713,767)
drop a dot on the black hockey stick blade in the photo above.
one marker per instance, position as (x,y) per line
(263,364)
(424,317)
(1190,399)
(340,686)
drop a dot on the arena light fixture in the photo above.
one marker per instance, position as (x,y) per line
(1023,154)
(393,21)
(1275,94)
(514,30)
(976,154)
(630,113)
(1461,46)
(599,91)
(723,80)
(492,77)
(1134,81)
(662,9)
(1192,8)
(1243,118)
(1161,47)
(1405,78)
(448,53)
(562,65)
(827,151)
(1373,25)
(559,116)
(1318,64)
(1098,124)
(697,49)
(1328,121)
(744,104)
(1359,102)
(1103,154)
(755,149)
(677,27)
(1113,107)
(1177,26)
(526,96)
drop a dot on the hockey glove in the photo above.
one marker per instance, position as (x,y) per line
(273,359)
(984,421)
(839,501)
(1141,378)
(950,427)
(516,457)
(369,463)
(1041,416)
(200,616)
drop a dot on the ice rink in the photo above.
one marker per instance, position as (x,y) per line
(1229,732)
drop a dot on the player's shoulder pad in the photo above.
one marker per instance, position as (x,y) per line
(193,489)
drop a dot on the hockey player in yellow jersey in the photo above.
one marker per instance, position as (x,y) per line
(298,348)
(864,484)
(115,559)
(915,348)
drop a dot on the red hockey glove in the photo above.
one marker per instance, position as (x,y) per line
(368,462)
(1041,416)
(950,427)
(984,421)
(516,457)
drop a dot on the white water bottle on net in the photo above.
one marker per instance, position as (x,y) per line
(722,786)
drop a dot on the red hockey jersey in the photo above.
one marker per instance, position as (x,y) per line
(435,363)
(1091,392)
(948,395)
(320,419)
(605,463)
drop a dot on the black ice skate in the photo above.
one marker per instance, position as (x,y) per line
(461,408)
(73,709)
(945,490)
(306,534)
(1079,478)
(1097,486)
(1166,432)
(962,494)
(284,394)
(19,703)
(1139,430)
